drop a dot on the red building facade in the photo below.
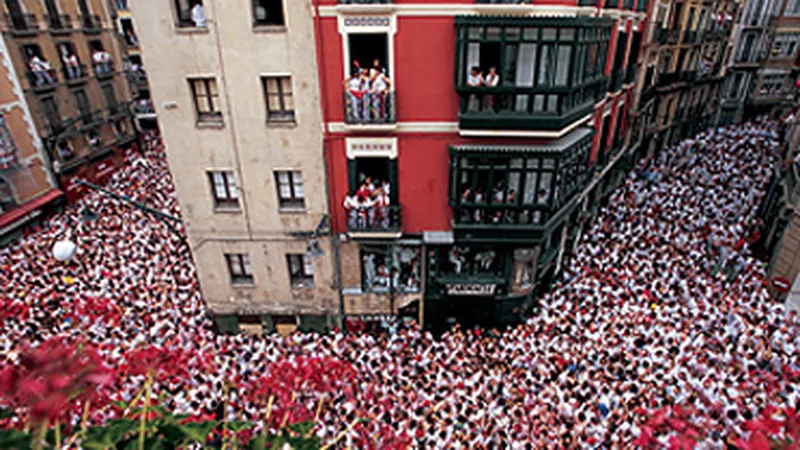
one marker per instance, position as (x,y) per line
(466,144)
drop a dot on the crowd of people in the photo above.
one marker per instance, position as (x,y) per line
(640,320)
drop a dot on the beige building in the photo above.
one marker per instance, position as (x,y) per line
(235,89)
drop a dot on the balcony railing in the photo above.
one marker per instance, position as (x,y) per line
(611,4)
(117,111)
(143,106)
(501,215)
(90,119)
(75,73)
(365,2)
(22,23)
(374,219)
(524,108)
(627,4)
(689,36)
(630,74)
(42,79)
(138,77)
(369,108)
(60,23)
(91,23)
(104,69)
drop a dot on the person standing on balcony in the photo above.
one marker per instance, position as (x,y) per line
(41,69)
(70,63)
(199,15)
(102,61)
(474,80)
(355,94)
(380,85)
(382,203)
(492,80)
(351,209)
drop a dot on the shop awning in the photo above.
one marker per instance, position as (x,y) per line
(555,146)
(17,214)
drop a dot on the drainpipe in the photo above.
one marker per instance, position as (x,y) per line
(329,190)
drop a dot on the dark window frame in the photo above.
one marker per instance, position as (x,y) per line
(240,269)
(294,200)
(283,114)
(214,114)
(280,22)
(304,278)
(231,197)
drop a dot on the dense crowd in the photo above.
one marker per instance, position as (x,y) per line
(661,304)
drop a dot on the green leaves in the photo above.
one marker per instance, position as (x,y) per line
(14,440)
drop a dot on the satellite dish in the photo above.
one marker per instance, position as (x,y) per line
(64,250)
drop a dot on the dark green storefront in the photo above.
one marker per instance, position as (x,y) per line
(516,215)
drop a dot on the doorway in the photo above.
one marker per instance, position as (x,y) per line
(369,50)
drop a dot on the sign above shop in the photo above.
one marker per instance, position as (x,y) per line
(471,289)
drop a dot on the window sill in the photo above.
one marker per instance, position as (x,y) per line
(243,285)
(214,124)
(292,209)
(228,209)
(264,28)
(191,30)
(302,286)
(281,123)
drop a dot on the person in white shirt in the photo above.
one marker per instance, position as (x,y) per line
(492,80)
(199,15)
(474,79)
(41,69)
(102,61)
(355,94)
(380,84)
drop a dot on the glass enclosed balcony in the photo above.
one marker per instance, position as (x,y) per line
(497,186)
(529,73)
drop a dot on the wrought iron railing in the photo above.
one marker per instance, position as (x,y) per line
(119,110)
(91,22)
(103,69)
(689,36)
(374,219)
(143,106)
(501,215)
(75,73)
(22,23)
(40,79)
(90,119)
(661,35)
(369,108)
(60,22)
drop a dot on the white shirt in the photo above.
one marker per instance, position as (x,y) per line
(199,15)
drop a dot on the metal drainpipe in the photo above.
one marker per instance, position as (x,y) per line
(330,191)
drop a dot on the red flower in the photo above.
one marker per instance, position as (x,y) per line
(48,376)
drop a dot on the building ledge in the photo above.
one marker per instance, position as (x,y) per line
(374,234)
(540,133)
(269,29)
(371,127)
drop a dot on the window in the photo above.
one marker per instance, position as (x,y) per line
(268,12)
(190,13)
(82,102)
(290,189)
(109,95)
(51,111)
(239,268)
(224,189)
(278,97)
(8,148)
(206,99)
(301,271)
(381,263)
